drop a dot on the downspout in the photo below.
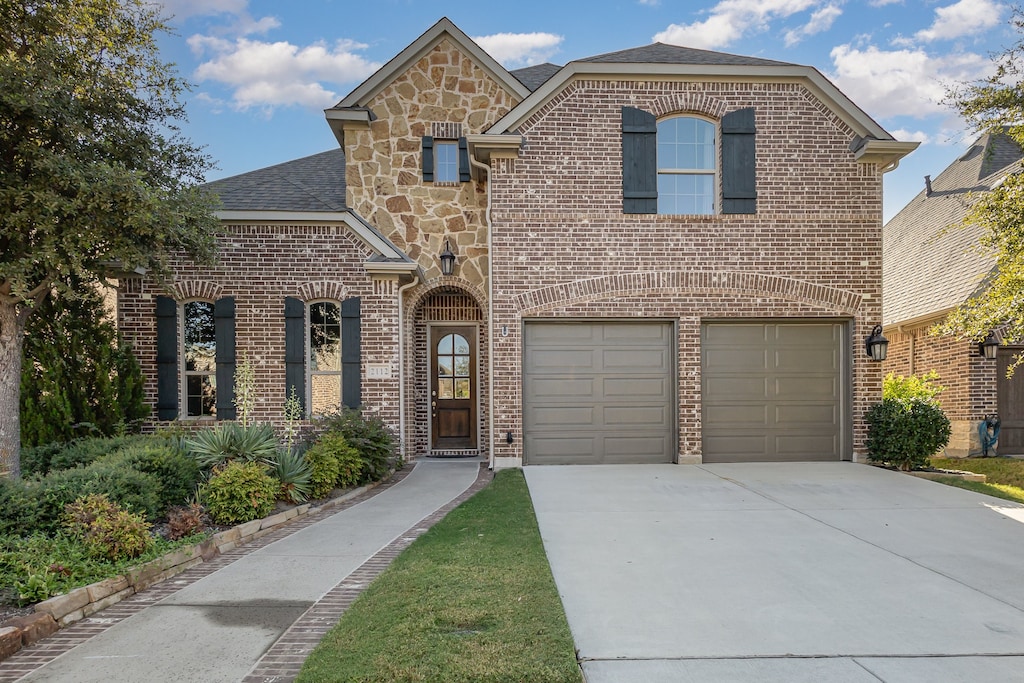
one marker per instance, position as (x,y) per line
(401,362)
(490,316)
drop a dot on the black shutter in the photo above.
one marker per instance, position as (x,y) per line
(166,358)
(639,161)
(463,160)
(295,349)
(428,159)
(739,183)
(351,381)
(224,329)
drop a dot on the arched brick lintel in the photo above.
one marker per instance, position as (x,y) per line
(419,294)
(322,289)
(197,289)
(697,282)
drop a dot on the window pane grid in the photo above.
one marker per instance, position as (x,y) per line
(446,162)
(453,367)
(687,160)
(199,351)
(324,357)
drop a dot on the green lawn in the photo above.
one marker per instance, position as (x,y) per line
(1005,475)
(471,600)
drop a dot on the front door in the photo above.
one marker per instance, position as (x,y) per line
(1010,400)
(453,387)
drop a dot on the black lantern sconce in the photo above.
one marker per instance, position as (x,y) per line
(989,346)
(876,345)
(447,259)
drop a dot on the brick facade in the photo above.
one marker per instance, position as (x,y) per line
(556,242)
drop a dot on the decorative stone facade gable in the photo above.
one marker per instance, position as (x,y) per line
(443,95)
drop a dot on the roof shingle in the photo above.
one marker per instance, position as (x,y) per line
(313,183)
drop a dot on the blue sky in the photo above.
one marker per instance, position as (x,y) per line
(263,72)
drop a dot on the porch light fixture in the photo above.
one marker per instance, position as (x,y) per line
(447,259)
(989,346)
(876,345)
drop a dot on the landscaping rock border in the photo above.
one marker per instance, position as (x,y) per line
(65,609)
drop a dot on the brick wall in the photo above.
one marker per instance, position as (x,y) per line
(563,247)
(260,265)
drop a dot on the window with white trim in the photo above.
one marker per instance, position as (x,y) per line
(446,161)
(198,353)
(687,166)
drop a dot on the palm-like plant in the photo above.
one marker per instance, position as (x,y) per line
(295,475)
(231,441)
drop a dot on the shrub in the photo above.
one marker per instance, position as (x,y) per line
(925,386)
(19,508)
(36,461)
(126,486)
(105,529)
(89,450)
(904,433)
(334,463)
(185,520)
(178,474)
(293,473)
(239,492)
(370,437)
(231,441)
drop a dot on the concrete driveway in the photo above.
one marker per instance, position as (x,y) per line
(835,572)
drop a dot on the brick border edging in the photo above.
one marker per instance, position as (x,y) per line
(283,660)
(40,649)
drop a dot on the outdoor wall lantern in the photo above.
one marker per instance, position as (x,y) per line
(876,345)
(989,346)
(447,259)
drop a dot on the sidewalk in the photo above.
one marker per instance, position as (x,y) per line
(255,613)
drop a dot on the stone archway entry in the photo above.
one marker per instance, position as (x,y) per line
(453,387)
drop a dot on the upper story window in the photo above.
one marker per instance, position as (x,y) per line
(199,359)
(687,161)
(324,365)
(446,161)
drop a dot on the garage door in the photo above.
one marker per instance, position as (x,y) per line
(773,392)
(598,392)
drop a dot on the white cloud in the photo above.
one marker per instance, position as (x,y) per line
(266,74)
(730,20)
(520,49)
(649,3)
(901,82)
(821,20)
(883,3)
(904,135)
(962,19)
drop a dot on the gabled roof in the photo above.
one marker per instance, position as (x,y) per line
(313,183)
(929,263)
(661,53)
(660,59)
(535,76)
(426,42)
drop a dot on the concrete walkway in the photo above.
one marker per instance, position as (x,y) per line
(833,572)
(219,627)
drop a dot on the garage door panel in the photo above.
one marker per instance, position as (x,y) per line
(617,407)
(807,415)
(817,388)
(789,408)
(555,388)
(625,417)
(736,416)
(736,359)
(628,388)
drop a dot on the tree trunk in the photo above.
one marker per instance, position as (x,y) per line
(12,336)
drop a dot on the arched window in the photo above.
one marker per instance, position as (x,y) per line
(687,163)
(199,359)
(324,366)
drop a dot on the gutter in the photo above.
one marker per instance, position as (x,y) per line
(401,362)
(484,169)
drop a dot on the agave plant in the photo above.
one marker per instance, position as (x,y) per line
(230,441)
(294,473)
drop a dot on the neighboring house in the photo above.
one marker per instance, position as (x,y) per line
(930,266)
(657,255)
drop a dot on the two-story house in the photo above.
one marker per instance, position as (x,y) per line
(655,255)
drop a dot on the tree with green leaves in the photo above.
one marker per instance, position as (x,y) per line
(95,173)
(77,377)
(996,105)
